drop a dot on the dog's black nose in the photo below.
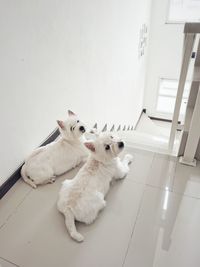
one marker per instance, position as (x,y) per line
(120,144)
(82,129)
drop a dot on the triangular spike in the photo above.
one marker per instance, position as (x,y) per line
(112,129)
(95,126)
(128,128)
(124,129)
(132,128)
(104,128)
(119,128)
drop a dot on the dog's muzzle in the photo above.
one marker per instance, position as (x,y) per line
(82,129)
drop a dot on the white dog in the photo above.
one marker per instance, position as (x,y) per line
(82,198)
(54,159)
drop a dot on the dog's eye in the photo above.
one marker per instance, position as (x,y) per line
(77,121)
(107,147)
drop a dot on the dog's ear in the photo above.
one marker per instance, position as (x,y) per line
(71,113)
(61,124)
(90,146)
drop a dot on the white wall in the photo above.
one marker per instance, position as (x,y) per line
(55,55)
(164,54)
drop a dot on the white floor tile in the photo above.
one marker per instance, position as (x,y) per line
(12,199)
(187,180)
(36,235)
(141,165)
(5,263)
(167,231)
(162,172)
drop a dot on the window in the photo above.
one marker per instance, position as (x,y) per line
(167,96)
(181,11)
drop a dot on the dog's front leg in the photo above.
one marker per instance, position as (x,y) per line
(123,166)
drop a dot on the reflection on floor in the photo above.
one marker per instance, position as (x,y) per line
(151,219)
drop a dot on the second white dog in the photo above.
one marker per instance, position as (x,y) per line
(54,159)
(82,198)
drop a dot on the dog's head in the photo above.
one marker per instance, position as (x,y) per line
(72,128)
(105,147)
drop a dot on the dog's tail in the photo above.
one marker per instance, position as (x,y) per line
(71,227)
(26,178)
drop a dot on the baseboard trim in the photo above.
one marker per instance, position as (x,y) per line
(161,119)
(6,186)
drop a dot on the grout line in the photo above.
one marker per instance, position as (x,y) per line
(170,189)
(159,188)
(174,175)
(9,261)
(185,195)
(2,225)
(138,212)
(148,174)
(179,193)
(136,181)
(30,190)
(15,209)
(134,225)
(175,193)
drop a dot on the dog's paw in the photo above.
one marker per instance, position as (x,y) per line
(104,203)
(128,158)
(52,180)
(34,186)
(77,236)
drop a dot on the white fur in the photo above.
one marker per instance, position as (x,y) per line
(82,198)
(54,159)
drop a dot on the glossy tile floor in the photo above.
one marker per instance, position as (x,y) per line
(152,218)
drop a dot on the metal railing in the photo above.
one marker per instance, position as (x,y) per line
(190,32)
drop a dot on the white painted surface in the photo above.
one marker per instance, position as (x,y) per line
(187,51)
(193,134)
(164,54)
(167,96)
(183,10)
(56,55)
